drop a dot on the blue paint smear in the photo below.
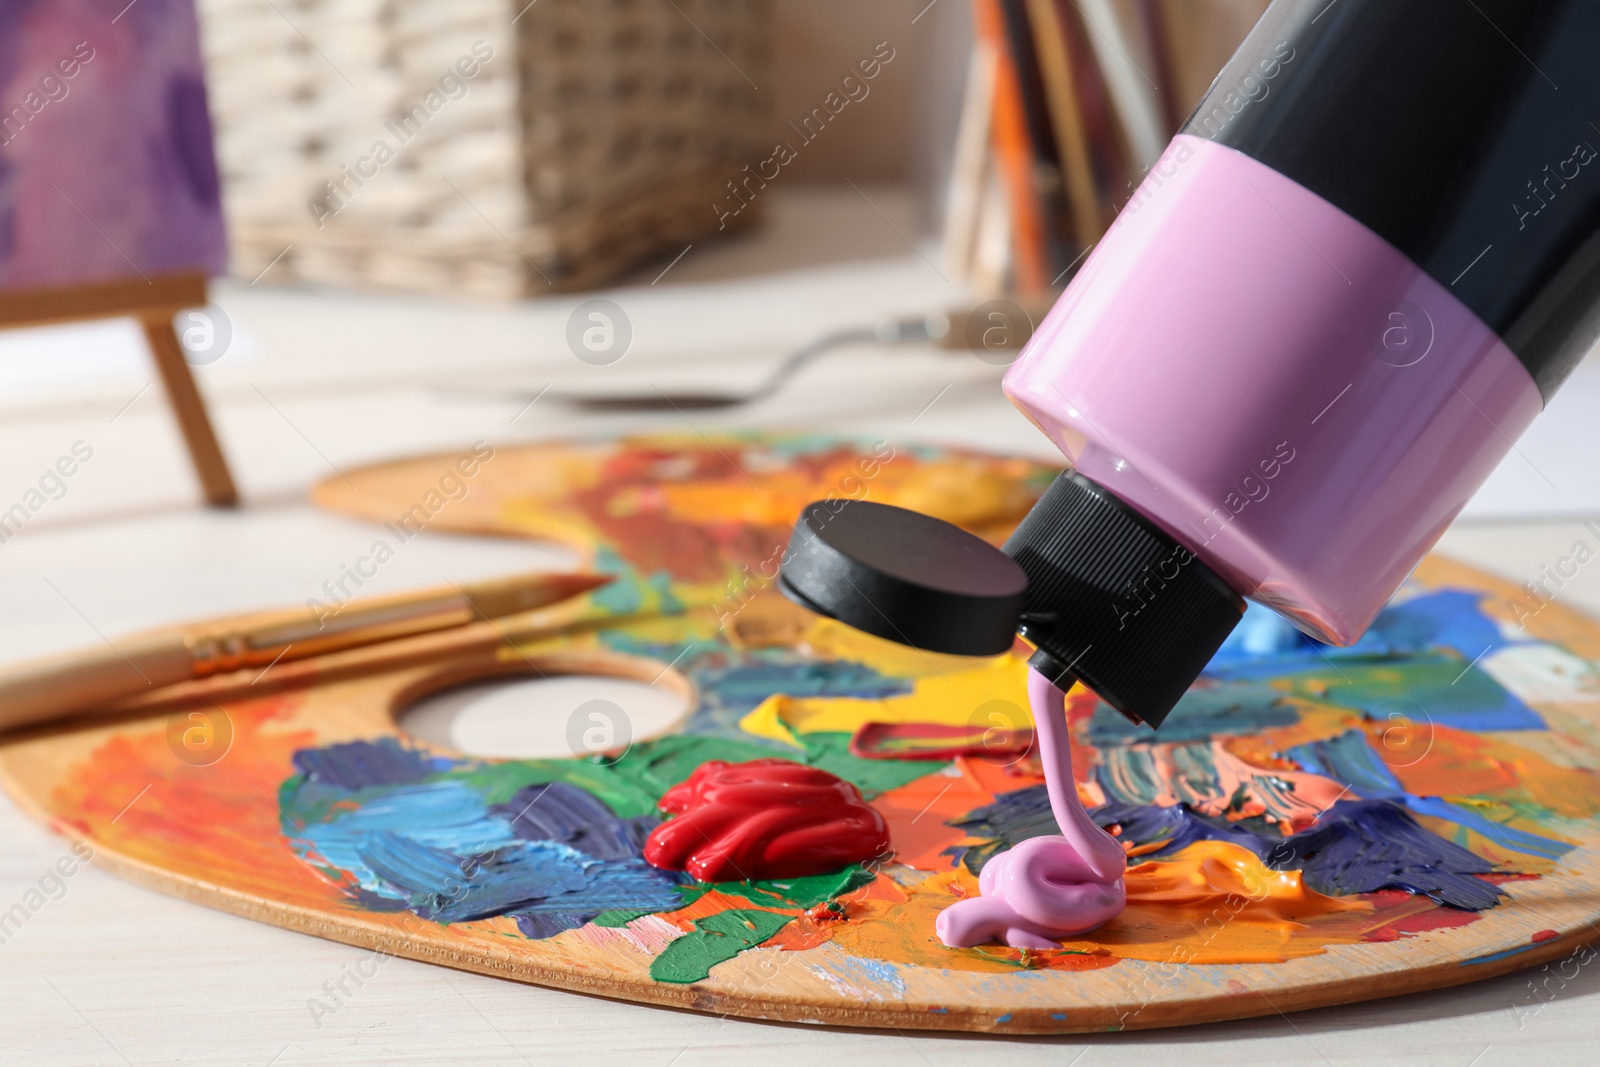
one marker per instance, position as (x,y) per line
(1497,956)
(450,887)
(537,878)
(447,815)
(361,764)
(1350,759)
(1448,618)
(746,683)
(1266,645)
(370,901)
(1011,818)
(733,683)
(872,972)
(1357,846)
(564,813)
(552,859)
(1431,639)
(1179,826)
(1261,633)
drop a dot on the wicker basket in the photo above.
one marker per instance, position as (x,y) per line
(588,136)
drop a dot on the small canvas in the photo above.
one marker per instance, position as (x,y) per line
(106,165)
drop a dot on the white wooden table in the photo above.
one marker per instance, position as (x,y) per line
(113,973)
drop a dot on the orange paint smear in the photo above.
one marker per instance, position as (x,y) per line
(1193,880)
(182,821)
(809,930)
(802,934)
(1457,763)
(917,812)
(713,903)
(691,510)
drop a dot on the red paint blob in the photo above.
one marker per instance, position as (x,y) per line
(768,818)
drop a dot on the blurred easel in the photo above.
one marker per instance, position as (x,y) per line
(153,303)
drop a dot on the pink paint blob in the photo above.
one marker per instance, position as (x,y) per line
(1046,889)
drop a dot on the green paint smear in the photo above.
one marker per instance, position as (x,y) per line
(634,784)
(1231,707)
(831,752)
(813,889)
(619,917)
(650,768)
(633,593)
(793,893)
(629,787)
(804,892)
(1434,682)
(497,783)
(663,763)
(715,939)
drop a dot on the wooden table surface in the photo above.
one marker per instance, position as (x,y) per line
(108,972)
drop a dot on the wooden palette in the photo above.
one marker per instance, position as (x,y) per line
(288,801)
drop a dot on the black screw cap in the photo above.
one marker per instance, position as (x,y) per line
(904,576)
(1113,601)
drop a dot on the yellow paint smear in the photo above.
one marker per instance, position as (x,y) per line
(954,698)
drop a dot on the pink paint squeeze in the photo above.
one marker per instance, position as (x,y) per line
(1045,889)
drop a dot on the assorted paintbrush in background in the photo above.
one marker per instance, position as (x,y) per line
(1068,103)
(98,679)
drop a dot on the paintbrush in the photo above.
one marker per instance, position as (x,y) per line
(55,687)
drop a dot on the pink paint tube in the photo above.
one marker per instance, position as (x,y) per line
(1328,312)
(1336,300)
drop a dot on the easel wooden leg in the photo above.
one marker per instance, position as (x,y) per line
(190,410)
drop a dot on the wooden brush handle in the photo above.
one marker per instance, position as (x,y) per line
(40,689)
(113,675)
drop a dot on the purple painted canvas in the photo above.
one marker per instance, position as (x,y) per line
(106,164)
